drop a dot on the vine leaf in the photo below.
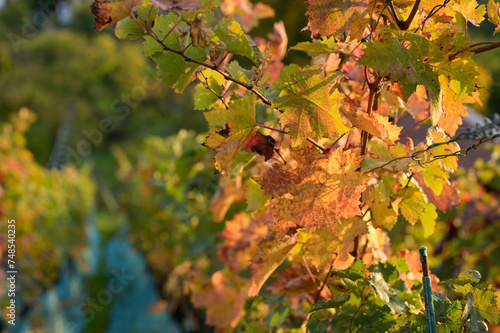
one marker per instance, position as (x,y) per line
(414,208)
(453,106)
(447,199)
(172,67)
(310,103)
(128,28)
(270,254)
(494,14)
(256,199)
(204,97)
(108,12)
(334,17)
(413,60)
(375,124)
(319,247)
(384,212)
(470,10)
(317,191)
(347,232)
(230,33)
(381,154)
(485,304)
(256,142)
(317,46)
(227,142)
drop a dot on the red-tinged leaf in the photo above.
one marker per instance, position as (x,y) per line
(227,142)
(272,251)
(494,14)
(314,191)
(108,12)
(375,124)
(310,103)
(259,143)
(177,4)
(334,17)
(223,301)
(292,281)
(347,232)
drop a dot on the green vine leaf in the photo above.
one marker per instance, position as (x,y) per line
(230,33)
(172,67)
(128,28)
(310,103)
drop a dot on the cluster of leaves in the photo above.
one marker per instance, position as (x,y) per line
(377,299)
(345,176)
(50,208)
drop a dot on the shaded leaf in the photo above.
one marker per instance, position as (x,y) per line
(334,302)
(176,4)
(108,12)
(128,28)
(172,67)
(256,142)
(271,253)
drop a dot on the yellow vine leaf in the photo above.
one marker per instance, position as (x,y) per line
(347,233)
(494,14)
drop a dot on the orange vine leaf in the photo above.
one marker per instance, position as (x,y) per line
(375,124)
(315,191)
